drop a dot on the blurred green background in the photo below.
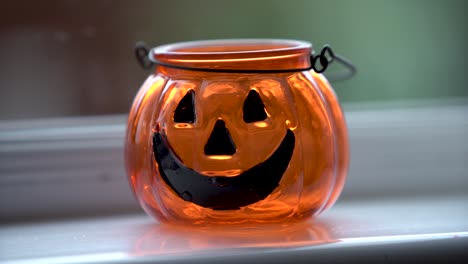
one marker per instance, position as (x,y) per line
(62,58)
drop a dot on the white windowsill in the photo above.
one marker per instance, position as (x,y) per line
(405,196)
(360,230)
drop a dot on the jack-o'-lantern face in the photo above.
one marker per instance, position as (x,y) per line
(224,145)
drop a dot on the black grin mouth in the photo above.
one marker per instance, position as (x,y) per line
(220,192)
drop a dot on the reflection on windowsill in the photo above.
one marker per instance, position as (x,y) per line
(165,239)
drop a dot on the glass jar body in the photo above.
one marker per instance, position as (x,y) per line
(224,148)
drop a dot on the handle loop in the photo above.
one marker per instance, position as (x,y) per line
(142,55)
(321,62)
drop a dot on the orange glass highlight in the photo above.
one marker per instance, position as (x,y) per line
(236,147)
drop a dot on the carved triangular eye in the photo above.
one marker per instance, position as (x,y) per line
(185,111)
(254,109)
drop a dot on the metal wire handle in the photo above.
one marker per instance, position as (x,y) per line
(142,55)
(319,63)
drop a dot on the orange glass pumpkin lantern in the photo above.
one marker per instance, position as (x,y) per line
(232,131)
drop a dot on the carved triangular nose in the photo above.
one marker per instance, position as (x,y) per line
(220,141)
